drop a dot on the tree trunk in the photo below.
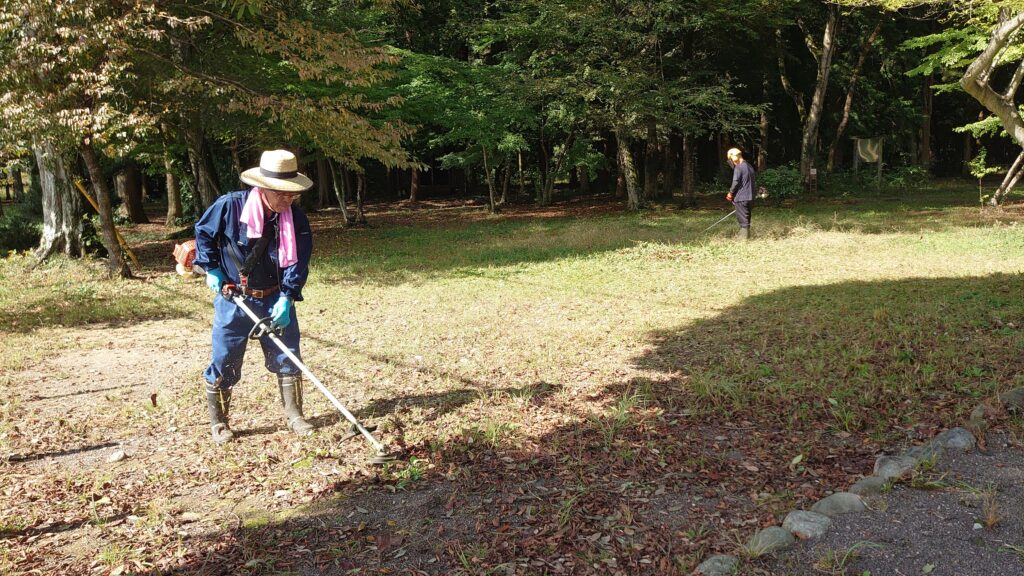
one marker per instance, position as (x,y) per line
(762,149)
(924,150)
(848,101)
(360,195)
(968,154)
(689,184)
(414,184)
(492,196)
(174,211)
(341,191)
(651,155)
(627,169)
(236,159)
(808,144)
(720,153)
(19,186)
(128,184)
(670,167)
(116,263)
(322,179)
(62,205)
(522,178)
(1012,177)
(506,179)
(583,173)
(203,171)
(389,184)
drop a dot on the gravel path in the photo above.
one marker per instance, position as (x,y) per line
(965,517)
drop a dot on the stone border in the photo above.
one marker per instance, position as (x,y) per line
(812,524)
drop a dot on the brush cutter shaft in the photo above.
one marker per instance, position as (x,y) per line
(720,221)
(240,301)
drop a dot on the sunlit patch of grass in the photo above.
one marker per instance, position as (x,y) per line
(113,555)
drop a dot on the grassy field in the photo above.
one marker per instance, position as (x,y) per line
(576,389)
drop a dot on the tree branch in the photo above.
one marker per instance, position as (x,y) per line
(812,45)
(798,98)
(976,84)
(1011,89)
(201,75)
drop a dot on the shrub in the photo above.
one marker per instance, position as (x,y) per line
(906,177)
(18,232)
(781,182)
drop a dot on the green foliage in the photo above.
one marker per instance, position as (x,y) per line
(781,182)
(907,177)
(988,126)
(21,224)
(18,232)
(979,167)
(92,240)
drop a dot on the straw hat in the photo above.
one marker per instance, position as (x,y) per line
(278,170)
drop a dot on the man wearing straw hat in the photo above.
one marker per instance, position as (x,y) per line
(258,240)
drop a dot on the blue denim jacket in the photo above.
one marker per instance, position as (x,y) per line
(221,225)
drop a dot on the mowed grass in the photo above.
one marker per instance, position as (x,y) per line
(864,313)
(579,345)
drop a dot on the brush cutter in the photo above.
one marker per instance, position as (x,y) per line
(263,327)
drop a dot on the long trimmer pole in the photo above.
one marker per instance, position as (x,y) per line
(720,221)
(240,301)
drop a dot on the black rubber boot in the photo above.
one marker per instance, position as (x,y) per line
(290,386)
(218,404)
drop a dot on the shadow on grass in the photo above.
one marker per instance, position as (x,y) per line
(19,458)
(859,356)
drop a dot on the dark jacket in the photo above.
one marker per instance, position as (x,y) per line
(220,226)
(744,182)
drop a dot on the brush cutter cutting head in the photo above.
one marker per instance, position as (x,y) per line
(383,459)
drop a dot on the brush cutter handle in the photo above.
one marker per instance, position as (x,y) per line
(263,327)
(229,291)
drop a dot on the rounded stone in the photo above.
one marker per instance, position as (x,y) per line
(929,451)
(956,439)
(839,503)
(889,467)
(806,525)
(770,540)
(720,565)
(1013,400)
(869,485)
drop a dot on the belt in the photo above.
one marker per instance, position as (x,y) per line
(259,292)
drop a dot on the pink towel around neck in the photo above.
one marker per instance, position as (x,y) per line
(252,217)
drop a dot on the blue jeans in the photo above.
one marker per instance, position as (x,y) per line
(231,333)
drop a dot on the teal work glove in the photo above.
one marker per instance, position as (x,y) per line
(280,314)
(215,279)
